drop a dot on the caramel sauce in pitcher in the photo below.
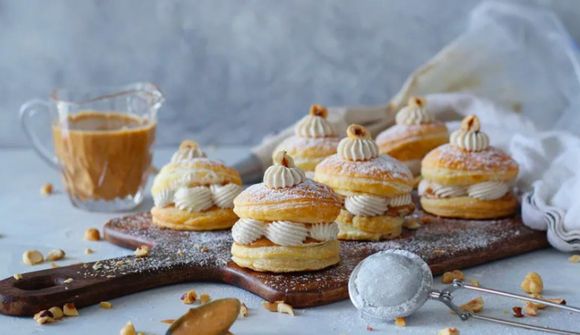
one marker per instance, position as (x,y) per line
(103,156)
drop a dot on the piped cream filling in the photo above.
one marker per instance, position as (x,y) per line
(284,233)
(199,198)
(489,190)
(371,205)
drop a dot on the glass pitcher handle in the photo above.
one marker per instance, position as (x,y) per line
(27,112)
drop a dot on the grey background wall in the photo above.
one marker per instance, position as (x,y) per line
(232,71)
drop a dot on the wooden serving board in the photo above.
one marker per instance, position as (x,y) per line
(180,256)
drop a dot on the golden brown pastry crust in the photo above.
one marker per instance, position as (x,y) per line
(373,228)
(382,176)
(470,208)
(450,165)
(213,219)
(311,256)
(410,142)
(308,202)
(308,152)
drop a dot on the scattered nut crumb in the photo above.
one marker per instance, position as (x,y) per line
(574,259)
(32,257)
(46,189)
(92,234)
(517,312)
(449,331)
(44,317)
(531,309)
(532,283)
(559,301)
(204,249)
(189,297)
(474,305)
(56,312)
(128,329)
(204,298)
(69,309)
(54,265)
(448,277)
(89,251)
(105,305)
(400,322)
(278,306)
(17,276)
(244,311)
(68,281)
(412,224)
(142,251)
(369,328)
(168,321)
(55,255)
(474,282)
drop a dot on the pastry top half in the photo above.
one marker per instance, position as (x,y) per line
(415,133)
(314,139)
(358,168)
(287,195)
(468,159)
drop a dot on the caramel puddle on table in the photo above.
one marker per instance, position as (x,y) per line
(214,318)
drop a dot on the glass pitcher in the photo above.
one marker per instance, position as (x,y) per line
(102,142)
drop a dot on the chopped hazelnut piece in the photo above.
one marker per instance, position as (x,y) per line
(46,189)
(474,282)
(531,309)
(70,309)
(168,321)
(17,276)
(204,298)
(559,301)
(189,297)
(448,277)
(142,251)
(43,317)
(244,312)
(105,305)
(56,312)
(128,329)
(449,331)
(574,259)
(53,265)
(68,281)
(278,306)
(532,283)
(400,322)
(474,305)
(89,251)
(517,312)
(92,234)
(55,255)
(32,257)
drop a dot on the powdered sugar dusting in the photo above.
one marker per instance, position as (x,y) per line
(490,158)
(259,193)
(381,165)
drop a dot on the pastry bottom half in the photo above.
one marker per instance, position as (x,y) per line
(368,228)
(470,208)
(213,219)
(276,258)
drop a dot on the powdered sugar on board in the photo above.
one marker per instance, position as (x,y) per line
(444,244)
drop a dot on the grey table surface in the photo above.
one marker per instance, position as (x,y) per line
(30,221)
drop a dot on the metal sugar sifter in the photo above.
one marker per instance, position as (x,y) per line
(410,286)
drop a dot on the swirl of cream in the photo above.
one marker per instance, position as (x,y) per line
(414,113)
(283,173)
(324,231)
(314,124)
(247,231)
(187,151)
(469,137)
(163,198)
(442,191)
(223,196)
(358,145)
(195,199)
(286,233)
(366,205)
(401,200)
(489,190)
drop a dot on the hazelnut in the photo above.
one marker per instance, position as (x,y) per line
(279,307)
(43,317)
(517,312)
(128,329)
(17,276)
(189,297)
(46,189)
(32,257)
(532,283)
(55,255)
(142,251)
(105,305)
(56,312)
(400,322)
(69,309)
(244,312)
(204,298)
(474,282)
(89,251)
(448,277)
(449,331)
(92,234)
(473,306)
(53,265)
(531,309)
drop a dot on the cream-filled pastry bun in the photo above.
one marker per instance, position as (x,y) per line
(415,133)
(314,139)
(193,192)
(376,188)
(286,222)
(468,178)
